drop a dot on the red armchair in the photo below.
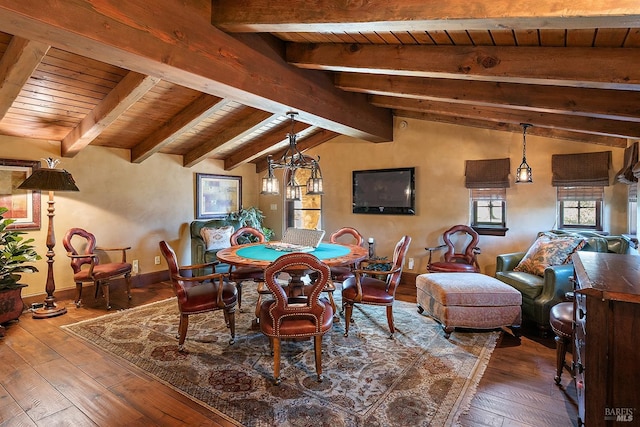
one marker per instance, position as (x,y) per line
(87,267)
(365,289)
(464,261)
(300,316)
(199,294)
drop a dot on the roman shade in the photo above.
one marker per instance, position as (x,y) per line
(581,170)
(626,175)
(567,194)
(491,173)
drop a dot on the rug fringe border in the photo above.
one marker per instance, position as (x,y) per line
(463,403)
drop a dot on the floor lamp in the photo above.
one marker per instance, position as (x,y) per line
(50,179)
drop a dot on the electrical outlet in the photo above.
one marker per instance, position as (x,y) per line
(134,265)
(157,260)
(411,261)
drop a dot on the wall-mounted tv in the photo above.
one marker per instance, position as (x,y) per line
(384,191)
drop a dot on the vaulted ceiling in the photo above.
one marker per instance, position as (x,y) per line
(215,79)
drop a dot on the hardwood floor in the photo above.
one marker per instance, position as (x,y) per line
(49,378)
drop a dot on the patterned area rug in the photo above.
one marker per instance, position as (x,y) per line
(417,379)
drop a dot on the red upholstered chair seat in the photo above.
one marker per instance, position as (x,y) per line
(376,291)
(452,267)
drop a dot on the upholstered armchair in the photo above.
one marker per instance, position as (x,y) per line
(342,272)
(243,274)
(296,316)
(87,268)
(364,288)
(544,286)
(199,294)
(207,238)
(463,260)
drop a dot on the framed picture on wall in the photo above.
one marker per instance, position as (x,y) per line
(22,205)
(217,195)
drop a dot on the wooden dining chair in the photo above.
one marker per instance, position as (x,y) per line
(464,260)
(364,288)
(343,272)
(200,294)
(240,274)
(302,316)
(87,268)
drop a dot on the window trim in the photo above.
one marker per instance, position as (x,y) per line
(594,193)
(596,227)
(491,194)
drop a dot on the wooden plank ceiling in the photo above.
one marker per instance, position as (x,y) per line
(215,80)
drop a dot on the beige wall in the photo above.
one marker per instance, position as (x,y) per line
(438,151)
(140,204)
(122,203)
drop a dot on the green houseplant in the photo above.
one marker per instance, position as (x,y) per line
(251,217)
(16,253)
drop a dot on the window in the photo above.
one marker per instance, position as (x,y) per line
(487,181)
(488,210)
(580,207)
(306,212)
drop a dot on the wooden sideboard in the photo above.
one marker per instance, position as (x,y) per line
(606,350)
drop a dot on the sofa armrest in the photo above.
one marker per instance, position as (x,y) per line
(557,282)
(507,262)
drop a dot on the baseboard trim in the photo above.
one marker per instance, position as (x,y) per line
(137,281)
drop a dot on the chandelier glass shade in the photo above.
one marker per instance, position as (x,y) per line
(291,161)
(523,173)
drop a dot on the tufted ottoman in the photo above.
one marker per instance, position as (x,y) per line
(469,300)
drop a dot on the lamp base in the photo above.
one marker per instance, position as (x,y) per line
(47,312)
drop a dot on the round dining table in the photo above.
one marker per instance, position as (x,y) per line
(259,255)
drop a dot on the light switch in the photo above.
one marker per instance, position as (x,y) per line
(274,207)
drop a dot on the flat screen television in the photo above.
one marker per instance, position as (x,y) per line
(384,191)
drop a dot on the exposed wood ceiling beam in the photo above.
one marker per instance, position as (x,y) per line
(605,68)
(601,103)
(229,136)
(176,41)
(255,149)
(515,127)
(127,92)
(604,127)
(413,15)
(18,62)
(307,143)
(201,108)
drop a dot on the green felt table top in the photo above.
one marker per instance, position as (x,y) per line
(262,253)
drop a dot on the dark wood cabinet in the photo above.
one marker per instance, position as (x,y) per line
(606,340)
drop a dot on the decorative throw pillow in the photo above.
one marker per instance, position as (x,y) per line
(547,251)
(217,238)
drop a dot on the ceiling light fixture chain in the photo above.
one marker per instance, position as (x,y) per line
(291,161)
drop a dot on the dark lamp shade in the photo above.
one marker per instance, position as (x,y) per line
(47,179)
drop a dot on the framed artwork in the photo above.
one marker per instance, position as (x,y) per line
(217,195)
(22,205)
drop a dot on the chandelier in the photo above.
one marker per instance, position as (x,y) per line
(291,161)
(523,173)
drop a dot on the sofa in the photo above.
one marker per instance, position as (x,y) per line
(548,286)
(200,253)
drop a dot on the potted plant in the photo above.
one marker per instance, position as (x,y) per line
(16,253)
(251,217)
